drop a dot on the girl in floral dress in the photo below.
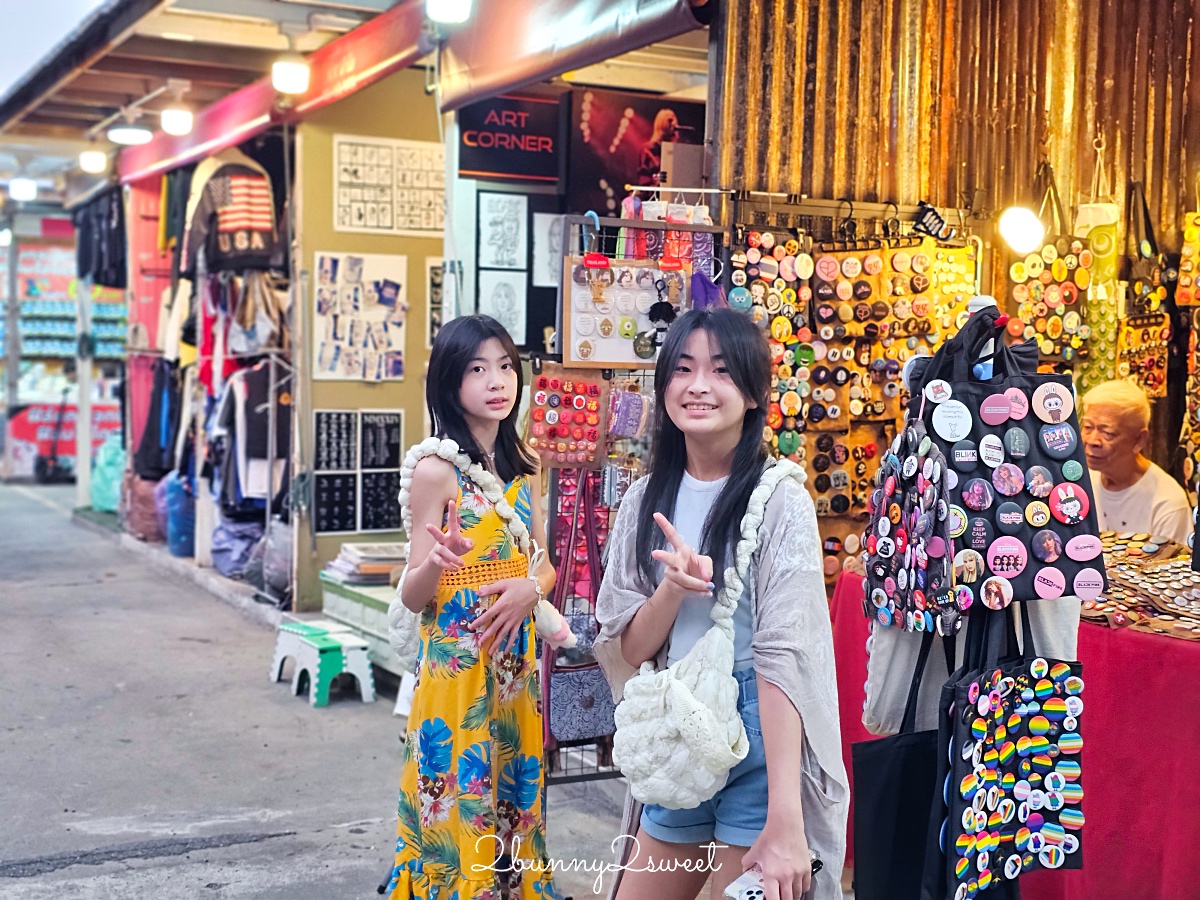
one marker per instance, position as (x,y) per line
(471,793)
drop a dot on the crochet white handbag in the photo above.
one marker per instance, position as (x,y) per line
(404,625)
(678,730)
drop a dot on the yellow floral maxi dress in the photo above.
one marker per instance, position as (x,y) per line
(472,786)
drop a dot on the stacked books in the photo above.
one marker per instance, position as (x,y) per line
(367,564)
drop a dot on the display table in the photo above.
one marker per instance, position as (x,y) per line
(1141,728)
(364,609)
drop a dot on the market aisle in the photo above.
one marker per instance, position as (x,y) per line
(144,753)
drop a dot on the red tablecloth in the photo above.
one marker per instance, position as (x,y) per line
(1141,727)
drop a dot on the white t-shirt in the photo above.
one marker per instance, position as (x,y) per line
(1155,504)
(692,504)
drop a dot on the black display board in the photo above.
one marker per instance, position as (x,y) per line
(335,502)
(356,481)
(379,447)
(336,440)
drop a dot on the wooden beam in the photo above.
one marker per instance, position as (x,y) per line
(250,59)
(215,75)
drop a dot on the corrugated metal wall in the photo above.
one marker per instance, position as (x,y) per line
(947,100)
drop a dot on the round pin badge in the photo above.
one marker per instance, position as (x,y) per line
(1047,546)
(956,521)
(852,267)
(979,533)
(1037,514)
(1072,470)
(1088,584)
(827,268)
(978,494)
(1069,503)
(938,391)
(1059,441)
(996,592)
(964,456)
(952,420)
(1039,482)
(991,450)
(1053,402)
(804,266)
(1007,556)
(1008,479)
(1010,518)
(995,409)
(1016,442)
(1084,547)
(1018,403)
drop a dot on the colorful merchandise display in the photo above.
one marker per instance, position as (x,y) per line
(842,319)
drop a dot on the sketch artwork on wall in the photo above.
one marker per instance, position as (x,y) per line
(503,231)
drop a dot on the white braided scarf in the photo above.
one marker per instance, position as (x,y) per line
(678,731)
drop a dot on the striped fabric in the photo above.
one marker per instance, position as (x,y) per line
(243,203)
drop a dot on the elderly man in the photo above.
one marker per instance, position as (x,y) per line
(1132,493)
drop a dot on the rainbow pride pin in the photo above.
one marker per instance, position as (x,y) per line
(1070,743)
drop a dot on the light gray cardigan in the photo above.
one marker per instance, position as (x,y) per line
(793,649)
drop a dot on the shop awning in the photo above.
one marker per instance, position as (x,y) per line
(513,43)
(386,44)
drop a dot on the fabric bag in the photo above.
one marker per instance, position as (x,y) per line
(1098,222)
(1013,792)
(577,697)
(1058,274)
(894,785)
(678,731)
(1145,270)
(1022,516)
(910,508)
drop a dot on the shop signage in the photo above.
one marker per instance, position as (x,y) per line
(31,432)
(510,137)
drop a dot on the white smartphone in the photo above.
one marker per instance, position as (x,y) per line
(749,885)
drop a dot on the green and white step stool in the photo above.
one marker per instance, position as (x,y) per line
(322,650)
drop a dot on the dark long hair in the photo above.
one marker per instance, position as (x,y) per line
(746,356)
(456,344)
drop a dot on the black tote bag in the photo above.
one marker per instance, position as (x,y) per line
(1022,496)
(894,780)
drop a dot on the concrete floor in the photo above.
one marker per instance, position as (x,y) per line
(144,753)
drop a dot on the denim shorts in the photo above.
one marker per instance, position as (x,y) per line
(737,814)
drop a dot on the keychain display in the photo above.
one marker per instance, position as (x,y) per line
(568,419)
(1189,436)
(1049,287)
(1142,351)
(630,411)
(616,312)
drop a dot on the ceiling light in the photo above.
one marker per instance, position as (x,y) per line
(129,134)
(1022,229)
(23,190)
(448,12)
(94,162)
(6,237)
(289,74)
(177,120)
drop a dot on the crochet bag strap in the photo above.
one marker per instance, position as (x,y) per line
(485,481)
(774,472)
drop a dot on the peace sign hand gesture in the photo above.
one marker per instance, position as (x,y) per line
(684,569)
(449,547)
